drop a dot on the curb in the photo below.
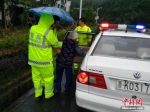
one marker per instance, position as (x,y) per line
(15,89)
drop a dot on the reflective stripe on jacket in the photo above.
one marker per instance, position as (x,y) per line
(41,41)
(60,45)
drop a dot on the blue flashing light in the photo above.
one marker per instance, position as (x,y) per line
(140,27)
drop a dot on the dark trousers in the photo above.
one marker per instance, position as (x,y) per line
(59,72)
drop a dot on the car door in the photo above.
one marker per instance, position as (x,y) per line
(85,48)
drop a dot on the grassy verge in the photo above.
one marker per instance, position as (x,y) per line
(18,41)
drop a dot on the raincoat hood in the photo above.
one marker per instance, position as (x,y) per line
(46,20)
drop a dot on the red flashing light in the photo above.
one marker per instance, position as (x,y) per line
(106,25)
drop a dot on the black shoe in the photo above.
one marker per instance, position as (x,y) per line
(66,91)
(38,98)
(50,98)
(58,92)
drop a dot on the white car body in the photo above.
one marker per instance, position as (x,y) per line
(114,68)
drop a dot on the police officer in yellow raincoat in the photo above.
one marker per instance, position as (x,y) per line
(83,39)
(41,42)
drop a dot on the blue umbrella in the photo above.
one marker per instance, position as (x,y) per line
(63,15)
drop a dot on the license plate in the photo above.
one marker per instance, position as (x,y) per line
(133,86)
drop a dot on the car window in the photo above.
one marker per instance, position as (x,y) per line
(127,47)
(84,38)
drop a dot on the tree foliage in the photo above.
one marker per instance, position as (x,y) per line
(87,13)
(89,3)
(33,2)
(126,11)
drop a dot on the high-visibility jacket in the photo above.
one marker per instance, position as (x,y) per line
(60,44)
(83,39)
(54,52)
(41,41)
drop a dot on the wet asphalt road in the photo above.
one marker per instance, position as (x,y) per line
(59,103)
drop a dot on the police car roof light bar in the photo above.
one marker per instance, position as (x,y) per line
(106,26)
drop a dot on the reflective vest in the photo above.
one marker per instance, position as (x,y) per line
(41,41)
(83,39)
(54,52)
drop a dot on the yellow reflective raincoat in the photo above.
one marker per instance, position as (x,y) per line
(41,41)
(83,39)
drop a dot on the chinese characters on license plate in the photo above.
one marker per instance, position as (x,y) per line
(133,86)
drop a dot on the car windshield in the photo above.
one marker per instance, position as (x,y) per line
(127,47)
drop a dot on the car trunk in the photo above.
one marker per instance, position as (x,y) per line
(120,78)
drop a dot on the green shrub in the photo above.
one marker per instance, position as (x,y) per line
(14,41)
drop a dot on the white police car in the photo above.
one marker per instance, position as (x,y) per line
(115,74)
